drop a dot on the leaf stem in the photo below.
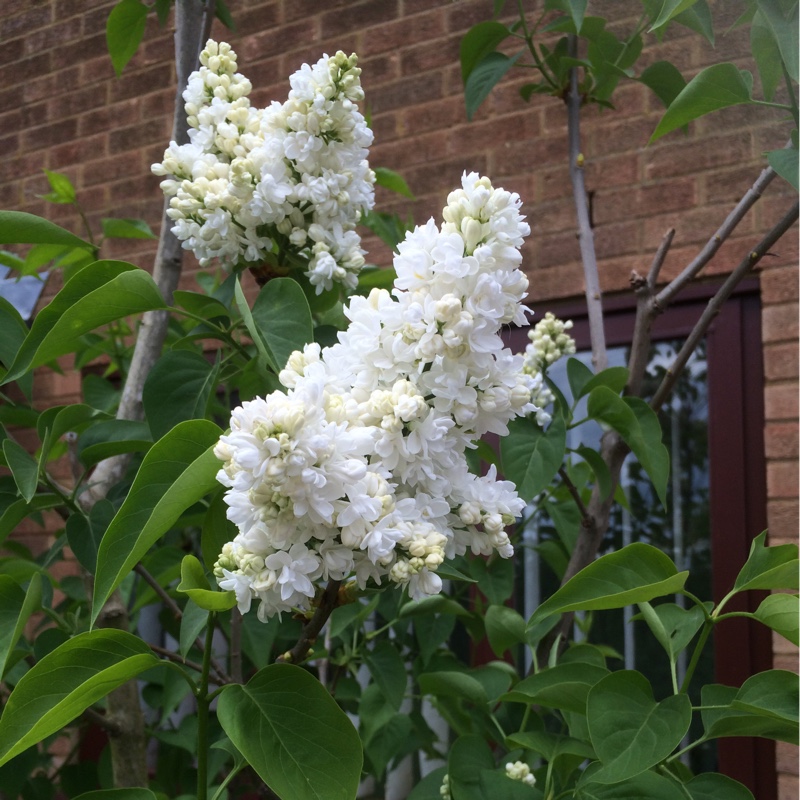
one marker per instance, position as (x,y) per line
(701,643)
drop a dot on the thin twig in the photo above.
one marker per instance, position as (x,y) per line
(659,258)
(328,601)
(576,496)
(715,304)
(663,298)
(111,727)
(594,299)
(178,659)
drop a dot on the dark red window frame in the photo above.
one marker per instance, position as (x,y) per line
(738,496)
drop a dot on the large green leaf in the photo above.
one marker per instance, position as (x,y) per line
(485,75)
(118,794)
(638,425)
(195,585)
(767,55)
(23,467)
(505,628)
(453,684)
(645,786)
(13,331)
(84,535)
(282,320)
(217,529)
(773,693)
(674,627)
(769,567)
(531,456)
(293,734)
(669,10)
(665,80)
(635,574)
(63,419)
(393,181)
(785,163)
(389,741)
(124,31)
(19,227)
(564,686)
(110,437)
(66,682)
(721,718)
(99,293)
(176,472)
(126,229)
(551,745)
(388,670)
(780,612)
(716,87)
(713,786)
(479,41)
(177,389)
(630,731)
(17,511)
(784,27)
(469,757)
(16,607)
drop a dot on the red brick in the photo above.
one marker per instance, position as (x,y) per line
(358,16)
(780,440)
(780,401)
(782,479)
(779,285)
(16,24)
(779,323)
(780,361)
(682,157)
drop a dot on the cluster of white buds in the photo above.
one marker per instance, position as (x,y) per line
(358,472)
(284,185)
(444,789)
(549,341)
(520,771)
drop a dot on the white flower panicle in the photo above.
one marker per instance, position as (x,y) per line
(549,342)
(359,470)
(286,184)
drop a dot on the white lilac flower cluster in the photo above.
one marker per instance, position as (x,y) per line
(359,470)
(549,341)
(284,185)
(520,771)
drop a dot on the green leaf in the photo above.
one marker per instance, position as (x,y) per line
(98,294)
(13,331)
(504,627)
(63,419)
(16,607)
(785,31)
(669,10)
(176,472)
(638,425)
(674,627)
(19,227)
(84,535)
(484,77)
(428,787)
(177,389)
(785,163)
(469,756)
(769,567)
(635,574)
(614,378)
(217,530)
(773,693)
(194,583)
(201,305)
(718,86)
(389,740)
(495,578)
(630,731)
(453,684)
(283,320)
(578,375)
(767,55)
(532,456)
(721,718)
(389,671)
(23,468)
(665,80)
(713,786)
(126,229)
(780,612)
(63,192)
(645,786)
(393,181)
(550,745)
(17,511)
(375,278)
(293,734)
(112,437)
(124,31)
(223,14)
(479,41)
(599,468)
(698,19)
(66,682)
(564,686)
(118,794)
(193,621)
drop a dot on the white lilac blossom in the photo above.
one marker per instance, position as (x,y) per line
(358,472)
(520,771)
(285,185)
(549,341)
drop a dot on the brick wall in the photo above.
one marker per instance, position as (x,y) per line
(62,108)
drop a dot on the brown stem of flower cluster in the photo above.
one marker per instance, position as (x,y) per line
(328,601)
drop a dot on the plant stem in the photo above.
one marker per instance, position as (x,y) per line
(701,643)
(203,702)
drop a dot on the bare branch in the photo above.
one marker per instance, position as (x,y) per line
(716,303)
(328,601)
(576,496)
(594,300)
(665,296)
